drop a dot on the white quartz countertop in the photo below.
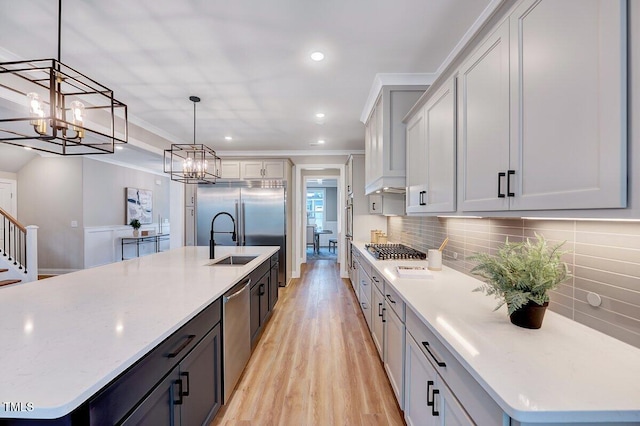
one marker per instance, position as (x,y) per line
(66,337)
(563,372)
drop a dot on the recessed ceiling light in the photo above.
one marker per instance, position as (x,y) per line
(320,115)
(28,148)
(119,148)
(317,56)
(228,138)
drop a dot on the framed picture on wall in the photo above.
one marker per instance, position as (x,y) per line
(139,205)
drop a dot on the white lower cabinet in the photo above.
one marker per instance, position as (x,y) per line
(428,399)
(428,360)
(378,320)
(394,343)
(364,295)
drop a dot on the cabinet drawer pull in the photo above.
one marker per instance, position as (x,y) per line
(383,311)
(179,401)
(421,198)
(500,176)
(185,374)
(373,206)
(375,279)
(509,193)
(261,291)
(391,299)
(182,346)
(433,404)
(364,305)
(429,401)
(379,309)
(440,363)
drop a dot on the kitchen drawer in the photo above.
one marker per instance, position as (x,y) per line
(124,392)
(394,301)
(376,279)
(475,400)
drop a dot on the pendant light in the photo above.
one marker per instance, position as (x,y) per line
(64,111)
(192,163)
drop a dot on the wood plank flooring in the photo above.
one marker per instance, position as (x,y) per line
(315,363)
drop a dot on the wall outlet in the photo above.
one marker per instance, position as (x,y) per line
(74,223)
(454,255)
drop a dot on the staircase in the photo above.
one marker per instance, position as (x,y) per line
(18,251)
(8,281)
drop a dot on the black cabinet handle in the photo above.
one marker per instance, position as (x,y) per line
(185,374)
(390,299)
(433,405)
(383,311)
(373,206)
(379,309)
(261,290)
(429,401)
(182,346)
(421,198)
(375,279)
(509,173)
(500,176)
(179,401)
(440,363)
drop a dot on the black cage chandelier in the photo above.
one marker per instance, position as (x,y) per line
(68,112)
(192,163)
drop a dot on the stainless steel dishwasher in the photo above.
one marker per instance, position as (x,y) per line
(236,335)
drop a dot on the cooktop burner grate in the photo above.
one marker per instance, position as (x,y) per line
(394,251)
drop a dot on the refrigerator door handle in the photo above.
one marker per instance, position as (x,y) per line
(244,240)
(239,231)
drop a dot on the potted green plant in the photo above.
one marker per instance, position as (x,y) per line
(520,275)
(135,224)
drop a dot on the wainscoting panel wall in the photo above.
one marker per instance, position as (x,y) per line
(604,258)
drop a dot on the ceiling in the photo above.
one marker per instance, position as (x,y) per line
(248,60)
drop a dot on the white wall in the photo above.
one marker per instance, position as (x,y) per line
(104,192)
(50,196)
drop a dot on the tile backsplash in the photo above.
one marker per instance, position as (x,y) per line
(604,258)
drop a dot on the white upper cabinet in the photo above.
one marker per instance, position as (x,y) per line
(385,148)
(431,159)
(416,171)
(230,169)
(483,116)
(259,169)
(542,110)
(568,98)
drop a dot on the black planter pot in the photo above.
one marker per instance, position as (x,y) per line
(530,315)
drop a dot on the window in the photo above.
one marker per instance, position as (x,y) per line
(315,207)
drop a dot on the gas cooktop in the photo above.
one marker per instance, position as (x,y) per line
(394,251)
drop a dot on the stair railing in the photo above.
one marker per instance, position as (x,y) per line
(18,244)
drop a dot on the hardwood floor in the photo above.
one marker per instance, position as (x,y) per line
(315,363)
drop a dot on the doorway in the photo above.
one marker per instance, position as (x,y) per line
(303,172)
(322,218)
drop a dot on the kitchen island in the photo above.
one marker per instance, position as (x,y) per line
(67,337)
(564,372)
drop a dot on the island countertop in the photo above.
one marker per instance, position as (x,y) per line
(66,337)
(563,372)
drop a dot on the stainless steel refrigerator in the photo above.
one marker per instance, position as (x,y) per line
(259,214)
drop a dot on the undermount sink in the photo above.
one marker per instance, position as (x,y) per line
(232,260)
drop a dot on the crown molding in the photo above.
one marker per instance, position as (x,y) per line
(285,153)
(393,79)
(473,30)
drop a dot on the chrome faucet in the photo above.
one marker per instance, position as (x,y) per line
(212,241)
